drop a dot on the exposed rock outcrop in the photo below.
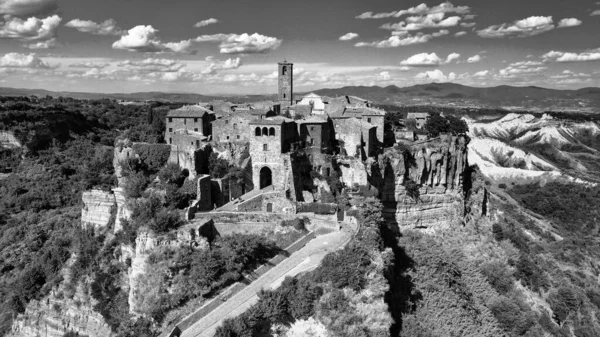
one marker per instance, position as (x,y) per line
(146,243)
(122,212)
(435,170)
(98,208)
(8,140)
(60,312)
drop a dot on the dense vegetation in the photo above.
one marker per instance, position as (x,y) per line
(68,148)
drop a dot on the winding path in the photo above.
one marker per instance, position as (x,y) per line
(305,259)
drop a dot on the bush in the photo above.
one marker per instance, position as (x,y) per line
(165,221)
(135,185)
(153,156)
(298,223)
(217,167)
(437,124)
(412,189)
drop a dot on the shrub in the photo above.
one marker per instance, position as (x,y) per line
(165,221)
(217,167)
(498,276)
(502,186)
(152,156)
(437,124)
(412,189)
(135,185)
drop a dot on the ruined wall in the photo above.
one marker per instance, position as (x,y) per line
(195,160)
(437,167)
(98,207)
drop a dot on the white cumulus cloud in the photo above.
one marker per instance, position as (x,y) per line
(530,26)
(481,73)
(16,60)
(461,33)
(206,22)
(435,76)
(421,9)
(428,60)
(559,56)
(474,59)
(143,39)
(570,22)
(39,33)
(435,20)
(348,36)
(242,43)
(402,38)
(231,63)
(108,27)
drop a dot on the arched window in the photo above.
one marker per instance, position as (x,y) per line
(257,131)
(283,70)
(265,131)
(272,132)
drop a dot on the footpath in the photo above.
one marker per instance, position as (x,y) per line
(306,258)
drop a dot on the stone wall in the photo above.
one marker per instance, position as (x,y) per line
(98,207)
(195,160)
(437,167)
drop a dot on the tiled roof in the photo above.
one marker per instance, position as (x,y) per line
(311,120)
(267,122)
(189,111)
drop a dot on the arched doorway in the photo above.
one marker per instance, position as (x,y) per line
(266,177)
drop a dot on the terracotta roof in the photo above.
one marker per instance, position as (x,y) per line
(189,111)
(373,112)
(311,120)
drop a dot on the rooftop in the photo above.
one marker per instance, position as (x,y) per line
(417,115)
(311,120)
(189,111)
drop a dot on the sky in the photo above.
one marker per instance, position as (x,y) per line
(233,46)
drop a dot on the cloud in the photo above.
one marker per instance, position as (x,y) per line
(40,33)
(482,73)
(152,65)
(108,27)
(571,22)
(242,43)
(434,20)
(206,22)
(467,24)
(27,7)
(559,56)
(521,68)
(230,63)
(348,36)
(385,76)
(474,59)
(530,26)
(428,60)
(402,38)
(421,9)
(143,39)
(435,76)
(596,12)
(461,33)
(16,60)
(89,65)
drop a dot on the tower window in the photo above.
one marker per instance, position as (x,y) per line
(284,70)
(170,120)
(226,122)
(238,136)
(265,147)
(170,129)
(265,132)
(284,95)
(184,121)
(272,132)
(195,120)
(369,120)
(170,141)
(257,131)
(196,129)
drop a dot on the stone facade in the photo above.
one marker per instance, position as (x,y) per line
(286,83)
(356,137)
(420,117)
(232,128)
(315,133)
(271,138)
(204,193)
(193,159)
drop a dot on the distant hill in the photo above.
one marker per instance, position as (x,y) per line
(585,99)
(456,94)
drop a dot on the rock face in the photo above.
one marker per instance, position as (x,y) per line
(436,169)
(122,212)
(56,314)
(146,243)
(8,140)
(98,207)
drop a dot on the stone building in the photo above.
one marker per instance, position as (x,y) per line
(420,117)
(369,115)
(188,125)
(286,83)
(315,102)
(315,133)
(270,140)
(232,128)
(356,137)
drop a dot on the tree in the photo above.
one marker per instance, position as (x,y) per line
(217,167)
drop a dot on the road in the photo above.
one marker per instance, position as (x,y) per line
(306,258)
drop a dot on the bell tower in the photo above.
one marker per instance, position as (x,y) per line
(286,82)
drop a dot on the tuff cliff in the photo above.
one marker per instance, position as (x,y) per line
(99,208)
(421,185)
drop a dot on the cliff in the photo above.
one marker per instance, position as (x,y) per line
(422,186)
(61,311)
(145,244)
(8,140)
(99,208)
